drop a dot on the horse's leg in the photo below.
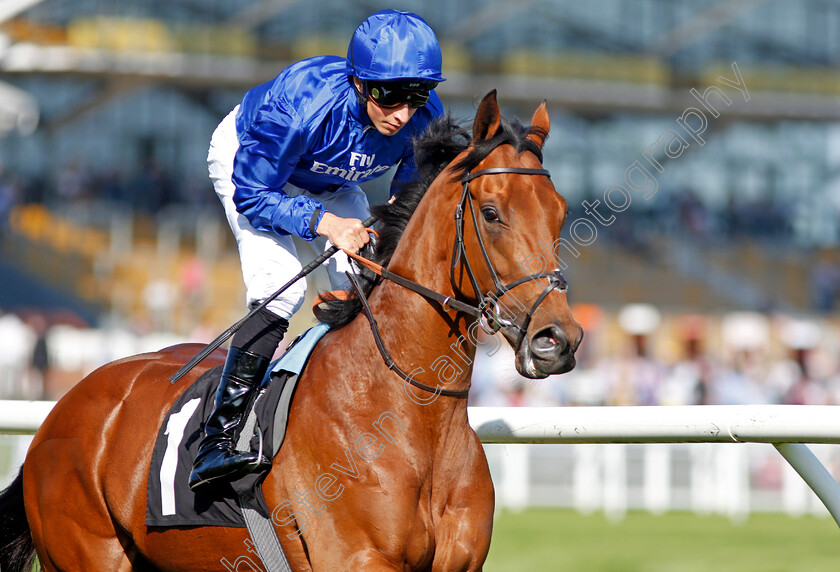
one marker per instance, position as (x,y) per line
(70,524)
(462,534)
(462,543)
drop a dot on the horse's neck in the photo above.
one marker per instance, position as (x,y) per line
(420,336)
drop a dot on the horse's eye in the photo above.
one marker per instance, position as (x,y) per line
(490,214)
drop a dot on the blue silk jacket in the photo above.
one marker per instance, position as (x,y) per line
(307,128)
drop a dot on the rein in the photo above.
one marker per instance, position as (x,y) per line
(389,361)
(488,311)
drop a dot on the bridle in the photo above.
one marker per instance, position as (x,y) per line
(488,310)
(489,305)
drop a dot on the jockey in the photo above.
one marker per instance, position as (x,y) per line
(287,161)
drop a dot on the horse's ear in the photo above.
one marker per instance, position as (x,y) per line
(487,118)
(540,125)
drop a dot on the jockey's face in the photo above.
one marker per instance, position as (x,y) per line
(386,120)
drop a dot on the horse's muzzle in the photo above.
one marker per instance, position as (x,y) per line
(546,352)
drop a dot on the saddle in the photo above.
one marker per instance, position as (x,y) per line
(169,500)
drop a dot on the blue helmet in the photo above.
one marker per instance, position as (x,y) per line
(392,45)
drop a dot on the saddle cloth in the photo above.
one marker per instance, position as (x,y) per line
(169,500)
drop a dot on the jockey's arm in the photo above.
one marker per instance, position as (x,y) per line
(268,153)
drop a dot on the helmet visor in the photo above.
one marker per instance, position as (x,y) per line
(395,93)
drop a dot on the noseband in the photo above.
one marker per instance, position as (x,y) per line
(491,320)
(488,311)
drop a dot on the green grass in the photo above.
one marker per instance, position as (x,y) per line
(552,540)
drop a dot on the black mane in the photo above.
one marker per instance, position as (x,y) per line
(433,151)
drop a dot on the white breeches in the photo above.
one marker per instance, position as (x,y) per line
(269,260)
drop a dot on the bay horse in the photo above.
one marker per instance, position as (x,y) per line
(375,473)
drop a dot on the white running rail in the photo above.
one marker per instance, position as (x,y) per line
(787,427)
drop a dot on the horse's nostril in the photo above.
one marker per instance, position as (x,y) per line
(578,341)
(549,342)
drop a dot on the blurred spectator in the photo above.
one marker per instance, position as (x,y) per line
(741,382)
(746,337)
(192,280)
(805,390)
(9,196)
(39,364)
(72,183)
(693,217)
(634,378)
(690,379)
(800,338)
(151,188)
(825,284)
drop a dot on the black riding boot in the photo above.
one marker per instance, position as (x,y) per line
(217,457)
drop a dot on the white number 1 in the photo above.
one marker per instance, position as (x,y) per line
(175,428)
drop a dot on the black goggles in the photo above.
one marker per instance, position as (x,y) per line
(394,94)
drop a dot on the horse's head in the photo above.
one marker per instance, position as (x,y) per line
(511,216)
(508,218)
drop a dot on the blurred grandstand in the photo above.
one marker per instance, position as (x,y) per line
(107,216)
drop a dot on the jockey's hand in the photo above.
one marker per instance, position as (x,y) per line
(347,233)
